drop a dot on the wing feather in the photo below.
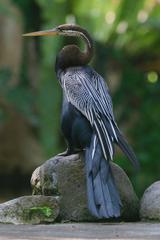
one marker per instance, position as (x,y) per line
(85,96)
(87,91)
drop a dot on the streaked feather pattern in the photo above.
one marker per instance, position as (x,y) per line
(87,96)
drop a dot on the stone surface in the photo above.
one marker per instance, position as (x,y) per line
(81,231)
(30,209)
(150,203)
(130,201)
(65,176)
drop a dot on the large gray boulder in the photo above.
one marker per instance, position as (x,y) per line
(150,203)
(65,176)
(30,210)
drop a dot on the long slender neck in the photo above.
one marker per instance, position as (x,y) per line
(71,55)
(88,52)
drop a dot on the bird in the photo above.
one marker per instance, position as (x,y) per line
(87,120)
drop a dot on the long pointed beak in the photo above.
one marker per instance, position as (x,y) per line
(51,32)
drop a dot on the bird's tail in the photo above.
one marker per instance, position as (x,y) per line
(126,148)
(103,198)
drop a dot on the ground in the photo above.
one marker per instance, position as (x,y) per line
(80,231)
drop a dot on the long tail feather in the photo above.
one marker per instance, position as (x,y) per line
(103,198)
(127,150)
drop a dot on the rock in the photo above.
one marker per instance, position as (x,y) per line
(130,201)
(150,203)
(30,209)
(65,176)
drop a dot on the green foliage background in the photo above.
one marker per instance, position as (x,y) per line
(127,38)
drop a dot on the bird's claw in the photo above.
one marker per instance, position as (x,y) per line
(69,152)
(65,153)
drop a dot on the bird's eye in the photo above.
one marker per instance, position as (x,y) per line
(60,29)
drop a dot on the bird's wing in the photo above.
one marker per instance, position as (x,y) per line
(82,92)
(87,91)
(103,90)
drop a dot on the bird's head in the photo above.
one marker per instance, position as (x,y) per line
(70,30)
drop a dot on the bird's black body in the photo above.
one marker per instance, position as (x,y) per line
(75,127)
(88,121)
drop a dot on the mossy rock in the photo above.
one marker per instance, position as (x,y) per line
(30,210)
(65,176)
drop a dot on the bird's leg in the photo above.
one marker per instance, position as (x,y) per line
(65,153)
(69,151)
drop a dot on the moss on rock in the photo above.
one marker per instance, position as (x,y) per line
(30,210)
